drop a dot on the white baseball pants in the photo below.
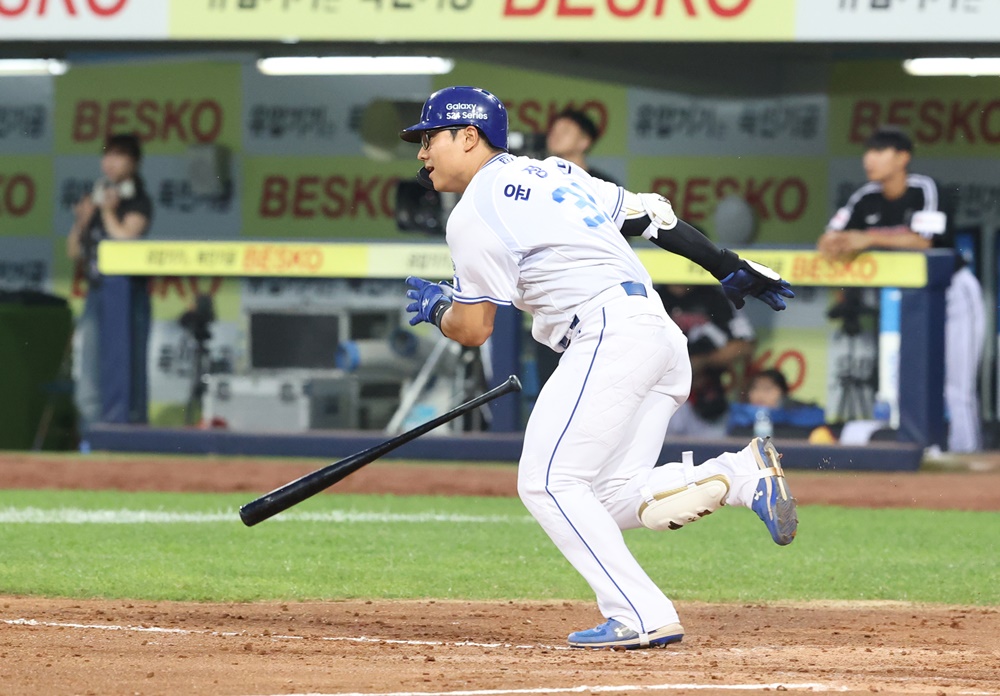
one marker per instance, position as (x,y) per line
(593,439)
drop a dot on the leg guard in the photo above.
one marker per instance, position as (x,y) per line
(677,507)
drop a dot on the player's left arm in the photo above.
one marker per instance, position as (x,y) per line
(651,216)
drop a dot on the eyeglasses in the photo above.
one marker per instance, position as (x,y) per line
(425,137)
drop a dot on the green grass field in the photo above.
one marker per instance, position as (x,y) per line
(193,547)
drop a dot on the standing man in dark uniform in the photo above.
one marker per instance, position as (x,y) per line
(118,208)
(899,210)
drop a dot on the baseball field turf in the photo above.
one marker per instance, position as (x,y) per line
(186,546)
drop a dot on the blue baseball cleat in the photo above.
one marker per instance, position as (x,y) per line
(772,501)
(614,634)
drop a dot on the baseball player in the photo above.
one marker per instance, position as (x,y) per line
(546,237)
(899,210)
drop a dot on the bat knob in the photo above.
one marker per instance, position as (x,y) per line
(514,383)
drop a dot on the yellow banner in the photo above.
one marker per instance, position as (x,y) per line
(487,20)
(945,116)
(875,269)
(170,106)
(296,197)
(433,261)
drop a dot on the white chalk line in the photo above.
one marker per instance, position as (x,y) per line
(342,639)
(34,515)
(814,687)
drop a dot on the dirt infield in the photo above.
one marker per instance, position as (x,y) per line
(72,646)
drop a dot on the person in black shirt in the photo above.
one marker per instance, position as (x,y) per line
(118,208)
(900,210)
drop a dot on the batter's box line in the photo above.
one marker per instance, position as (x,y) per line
(347,639)
(813,687)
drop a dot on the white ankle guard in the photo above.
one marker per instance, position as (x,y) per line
(677,507)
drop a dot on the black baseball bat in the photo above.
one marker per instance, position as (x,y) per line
(309,485)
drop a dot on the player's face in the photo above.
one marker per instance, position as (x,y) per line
(566,139)
(443,154)
(883,164)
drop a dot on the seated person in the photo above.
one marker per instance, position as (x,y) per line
(789,418)
(718,338)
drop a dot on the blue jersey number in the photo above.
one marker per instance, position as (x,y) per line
(575,194)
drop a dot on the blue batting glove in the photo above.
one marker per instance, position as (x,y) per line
(430,300)
(756,280)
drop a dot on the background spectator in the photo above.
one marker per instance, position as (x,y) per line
(718,336)
(118,208)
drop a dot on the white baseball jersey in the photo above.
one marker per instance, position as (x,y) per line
(541,235)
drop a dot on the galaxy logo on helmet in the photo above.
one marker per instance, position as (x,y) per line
(462,105)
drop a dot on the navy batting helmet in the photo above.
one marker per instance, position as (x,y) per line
(457,106)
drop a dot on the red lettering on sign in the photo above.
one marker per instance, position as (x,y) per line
(656,8)
(931,121)
(185,121)
(694,194)
(959,120)
(106,9)
(117,116)
(17,195)
(985,119)
(695,199)
(13,11)
(272,197)
(334,196)
(665,187)
(565,10)
(790,199)
(268,258)
(817,270)
(865,118)
(537,117)
(305,190)
(166,285)
(362,196)
(899,113)
(331,188)
(930,115)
